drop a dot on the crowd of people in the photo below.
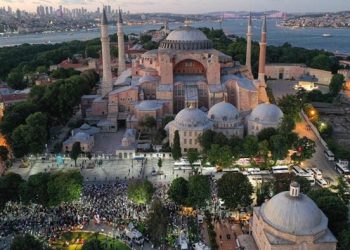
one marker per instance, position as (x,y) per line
(104,203)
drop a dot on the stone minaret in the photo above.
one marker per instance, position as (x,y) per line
(248,60)
(262,98)
(121,46)
(107,84)
(262,55)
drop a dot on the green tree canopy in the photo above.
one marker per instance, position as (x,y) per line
(140,191)
(75,152)
(235,189)
(64,187)
(198,191)
(157,222)
(27,242)
(94,244)
(178,191)
(220,156)
(10,185)
(305,149)
(291,106)
(192,156)
(279,147)
(336,84)
(266,133)
(35,189)
(176,149)
(333,207)
(250,146)
(16,80)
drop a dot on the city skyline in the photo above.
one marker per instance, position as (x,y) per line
(189,6)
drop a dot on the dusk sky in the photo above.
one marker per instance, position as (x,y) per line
(190,6)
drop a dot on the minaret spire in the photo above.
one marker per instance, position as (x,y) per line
(248,61)
(107,84)
(262,61)
(121,46)
(262,55)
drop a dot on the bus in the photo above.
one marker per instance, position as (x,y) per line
(342,167)
(329,155)
(280,170)
(298,170)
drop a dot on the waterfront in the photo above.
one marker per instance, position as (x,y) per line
(310,38)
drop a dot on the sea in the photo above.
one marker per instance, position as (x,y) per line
(336,40)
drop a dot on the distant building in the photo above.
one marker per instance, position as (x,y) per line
(84,135)
(8,100)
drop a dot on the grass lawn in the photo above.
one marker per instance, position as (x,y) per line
(77,238)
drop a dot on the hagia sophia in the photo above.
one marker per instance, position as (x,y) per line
(186,78)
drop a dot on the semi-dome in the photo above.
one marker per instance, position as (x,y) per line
(266,114)
(223,112)
(186,38)
(148,105)
(192,118)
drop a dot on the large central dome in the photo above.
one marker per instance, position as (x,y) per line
(186,38)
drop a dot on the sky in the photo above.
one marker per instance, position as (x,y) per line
(189,6)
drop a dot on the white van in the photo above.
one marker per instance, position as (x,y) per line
(317,173)
(322,183)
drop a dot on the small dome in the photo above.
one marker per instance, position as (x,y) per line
(223,112)
(266,114)
(81,136)
(192,118)
(148,105)
(186,34)
(294,215)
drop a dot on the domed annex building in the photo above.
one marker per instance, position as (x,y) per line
(291,221)
(185,71)
(265,115)
(190,123)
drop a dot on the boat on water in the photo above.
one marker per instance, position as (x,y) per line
(326,35)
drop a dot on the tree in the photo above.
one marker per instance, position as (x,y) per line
(235,189)
(159,163)
(305,149)
(176,149)
(16,80)
(266,133)
(140,191)
(178,191)
(75,152)
(64,187)
(35,189)
(220,156)
(149,122)
(336,84)
(206,139)
(333,207)
(192,156)
(3,153)
(36,132)
(10,185)
(287,125)
(279,147)
(290,105)
(264,151)
(27,242)
(250,146)
(281,182)
(94,244)
(198,191)
(305,186)
(157,223)
(344,240)
(342,190)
